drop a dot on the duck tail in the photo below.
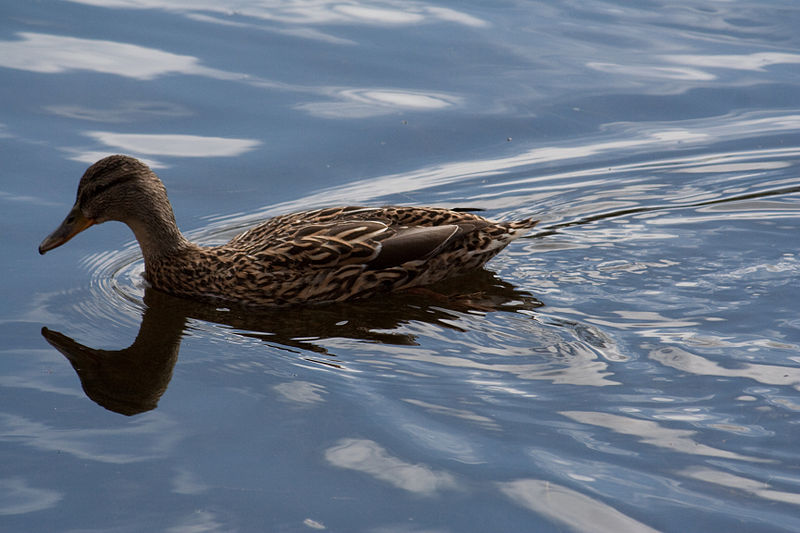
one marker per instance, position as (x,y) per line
(518,227)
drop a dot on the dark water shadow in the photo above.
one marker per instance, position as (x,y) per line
(132,380)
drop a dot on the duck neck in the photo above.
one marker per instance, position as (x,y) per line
(158,235)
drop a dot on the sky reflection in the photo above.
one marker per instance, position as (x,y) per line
(741,483)
(51,54)
(18,497)
(688,362)
(362,103)
(174,145)
(653,433)
(570,508)
(55,54)
(756,61)
(301,392)
(126,111)
(371,458)
(317,12)
(154,437)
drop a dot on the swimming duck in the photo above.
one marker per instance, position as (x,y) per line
(323,255)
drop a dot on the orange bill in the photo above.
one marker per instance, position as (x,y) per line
(72,225)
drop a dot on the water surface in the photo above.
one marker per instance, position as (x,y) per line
(632,365)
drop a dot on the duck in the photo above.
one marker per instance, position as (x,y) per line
(322,255)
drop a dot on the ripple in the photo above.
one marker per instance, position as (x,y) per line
(116,287)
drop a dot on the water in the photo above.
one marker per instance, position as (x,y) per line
(631,366)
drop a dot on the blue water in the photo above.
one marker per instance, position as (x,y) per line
(632,365)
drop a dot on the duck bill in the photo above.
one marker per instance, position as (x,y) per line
(72,225)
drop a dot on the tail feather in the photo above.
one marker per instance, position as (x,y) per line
(517,227)
(511,230)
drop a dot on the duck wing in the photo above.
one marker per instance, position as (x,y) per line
(413,244)
(371,243)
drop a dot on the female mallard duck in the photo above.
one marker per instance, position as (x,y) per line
(325,255)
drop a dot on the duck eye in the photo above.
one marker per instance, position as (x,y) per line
(70,219)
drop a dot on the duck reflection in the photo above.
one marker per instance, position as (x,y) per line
(132,380)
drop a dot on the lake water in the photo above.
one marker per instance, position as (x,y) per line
(633,365)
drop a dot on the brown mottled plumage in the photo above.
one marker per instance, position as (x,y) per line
(325,255)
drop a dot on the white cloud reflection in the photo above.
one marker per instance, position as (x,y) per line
(175,144)
(17,497)
(653,433)
(302,392)
(356,12)
(54,54)
(123,112)
(200,521)
(188,482)
(91,156)
(650,71)
(695,67)
(143,440)
(756,61)
(741,483)
(362,103)
(50,54)
(371,458)
(570,508)
(301,32)
(464,414)
(684,361)
(309,12)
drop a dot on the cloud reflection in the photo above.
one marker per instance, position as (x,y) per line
(143,440)
(306,12)
(680,359)
(17,497)
(464,414)
(756,61)
(174,144)
(649,71)
(371,458)
(300,32)
(302,392)
(375,15)
(124,112)
(188,482)
(200,521)
(694,67)
(54,54)
(362,103)
(50,54)
(570,508)
(653,433)
(741,483)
